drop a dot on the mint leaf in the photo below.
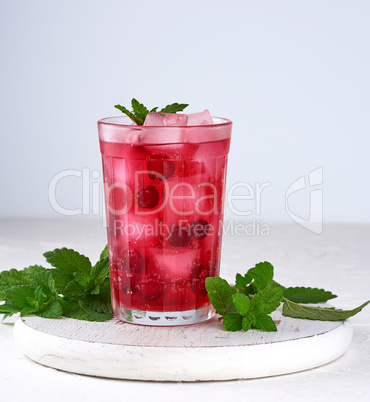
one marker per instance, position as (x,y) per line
(81,310)
(92,314)
(267,300)
(140,111)
(9,309)
(264,323)
(19,296)
(35,290)
(175,107)
(232,322)
(129,114)
(75,290)
(99,304)
(39,295)
(308,295)
(274,284)
(100,271)
(219,293)
(52,310)
(242,303)
(247,323)
(45,280)
(11,278)
(82,279)
(294,310)
(262,275)
(68,261)
(242,281)
(104,253)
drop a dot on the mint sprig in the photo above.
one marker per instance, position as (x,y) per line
(72,288)
(77,289)
(295,310)
(139,111)
(174,108)
(255,295)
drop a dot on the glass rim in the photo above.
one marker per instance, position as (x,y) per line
(105,121)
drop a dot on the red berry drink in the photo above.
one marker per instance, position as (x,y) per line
(164,196)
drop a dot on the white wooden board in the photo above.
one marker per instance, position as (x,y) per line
(199,352)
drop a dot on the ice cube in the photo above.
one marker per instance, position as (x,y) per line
(165,119)
(200,119)
(174,264)
(137,230)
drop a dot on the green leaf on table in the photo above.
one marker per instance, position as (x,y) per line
(47,283)
(174,108)
(13,277)
(262,275)
(8,309)
(20,296)
(247,323)
(241,282)
(100,271)
(267,300)
(219,293)
(68,261)
(74,289)
(264,323)
(233,322)
(294,310)
(99,304)
(52,310)
(242,303)
(80,310)
(82,279)
(307,295)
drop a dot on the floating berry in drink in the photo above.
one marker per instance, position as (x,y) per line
(147,197)
(150,288)
(127,284)
(160,168)
(179,236)
(199,229)
(199,274)
(132,261)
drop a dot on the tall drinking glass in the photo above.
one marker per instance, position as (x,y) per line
(164,196)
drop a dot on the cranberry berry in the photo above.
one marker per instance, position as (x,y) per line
(150,289)
(199,229)
(147,197)
(160,164)
(132,261)
(179,236)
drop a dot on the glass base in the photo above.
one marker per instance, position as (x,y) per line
(162,318)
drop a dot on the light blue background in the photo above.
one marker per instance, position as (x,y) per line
(292,75)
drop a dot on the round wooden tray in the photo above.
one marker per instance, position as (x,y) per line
(199,352)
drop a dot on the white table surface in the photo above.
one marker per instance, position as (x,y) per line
(338,260)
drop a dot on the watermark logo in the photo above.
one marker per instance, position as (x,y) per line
(315,221)
(186,199)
